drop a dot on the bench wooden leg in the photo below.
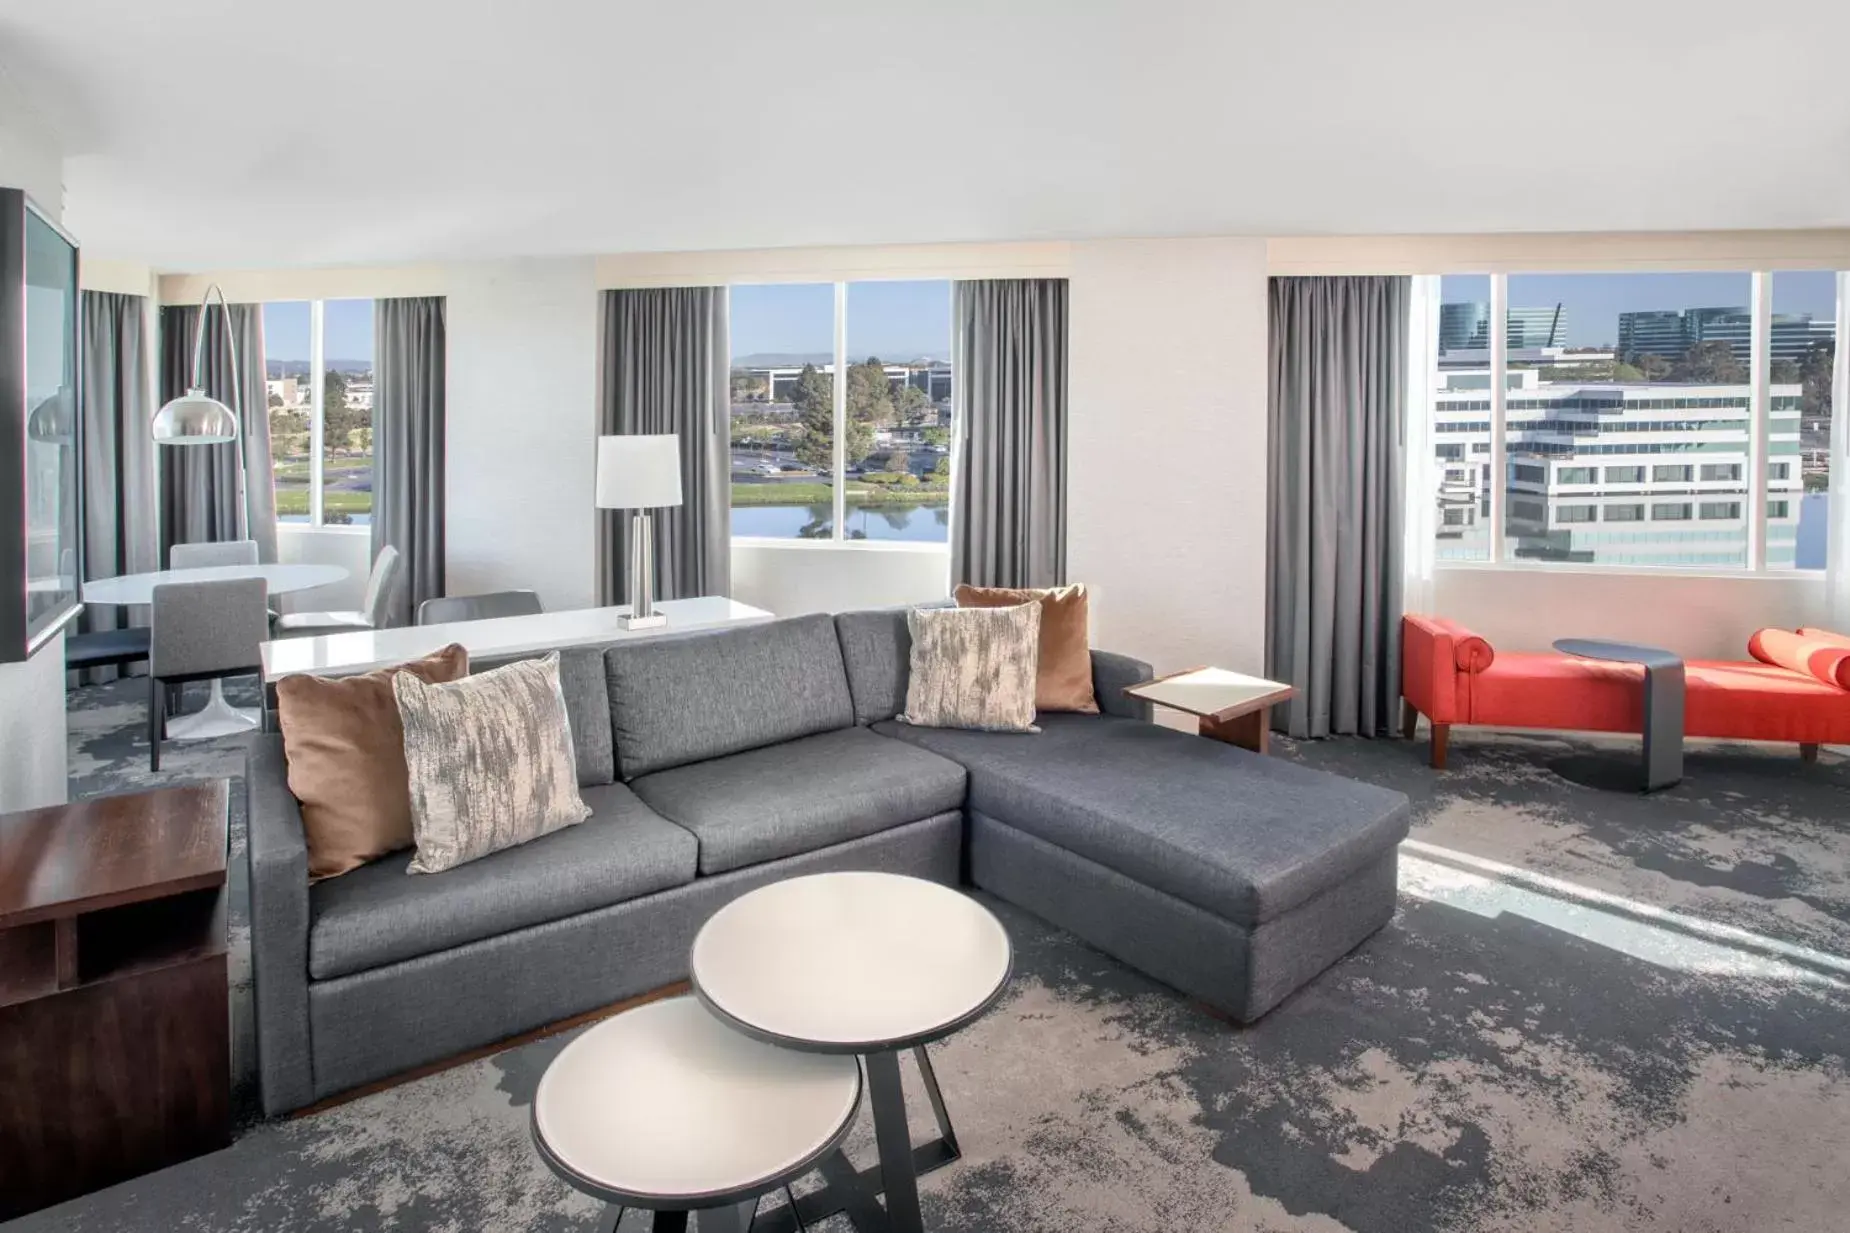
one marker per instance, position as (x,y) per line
(1439,734)
(1409,720)
(1808,753)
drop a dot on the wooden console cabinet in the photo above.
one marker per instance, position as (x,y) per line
(115,1035)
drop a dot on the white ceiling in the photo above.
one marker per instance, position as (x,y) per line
(209,133)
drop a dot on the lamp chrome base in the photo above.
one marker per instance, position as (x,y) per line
(642,614)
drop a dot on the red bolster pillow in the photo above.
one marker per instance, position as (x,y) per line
(1815,653)
(1471,652)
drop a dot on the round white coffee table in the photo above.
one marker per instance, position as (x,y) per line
(663,1107)
(858,963)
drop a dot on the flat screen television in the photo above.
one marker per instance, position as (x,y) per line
(41,449)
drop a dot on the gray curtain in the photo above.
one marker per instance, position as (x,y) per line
(199,483)
(118,456)
(663,368)
(408,411)
(1008,363)
(1336,472)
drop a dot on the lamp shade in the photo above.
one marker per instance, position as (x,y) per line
(638,472)
(195,418)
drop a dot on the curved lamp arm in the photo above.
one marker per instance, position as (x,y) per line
(231,341)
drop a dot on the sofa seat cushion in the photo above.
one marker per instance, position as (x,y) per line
(379,914)
(802,795)
(1243,835)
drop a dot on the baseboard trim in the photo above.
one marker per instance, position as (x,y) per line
(476,1055)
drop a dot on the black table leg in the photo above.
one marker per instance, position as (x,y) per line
(897,1179)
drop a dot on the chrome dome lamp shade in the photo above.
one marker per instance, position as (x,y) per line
(195,418)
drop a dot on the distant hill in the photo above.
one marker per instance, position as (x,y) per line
(300,368)
(796,359)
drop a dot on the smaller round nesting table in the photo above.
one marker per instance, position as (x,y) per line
(1663,705)
(857,963)
(665,1108)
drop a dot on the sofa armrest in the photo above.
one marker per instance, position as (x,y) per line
(278,859)
(1111,672)
(1438,658)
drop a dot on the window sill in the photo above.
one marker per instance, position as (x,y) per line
(1623,571)
(846,545)
(308,528)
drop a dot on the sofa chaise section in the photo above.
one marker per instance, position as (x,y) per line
(1232,875)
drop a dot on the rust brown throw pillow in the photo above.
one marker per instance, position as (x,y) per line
(346,750)
(1065,679)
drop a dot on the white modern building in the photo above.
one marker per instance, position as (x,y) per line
(1610,473)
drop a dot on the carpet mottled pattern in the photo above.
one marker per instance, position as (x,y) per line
(1658,1046)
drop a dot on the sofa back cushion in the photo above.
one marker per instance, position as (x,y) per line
(679,700)
(876,648)
(587,707)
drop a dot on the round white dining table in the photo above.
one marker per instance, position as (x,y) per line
(218,717)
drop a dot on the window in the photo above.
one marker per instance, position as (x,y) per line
(1576,513)
(891,413)
(1672,474)
(1713,511)
(1460,405)
(318,377)
(1625,513)
(1614,369)
(1802,347)
(1670,511)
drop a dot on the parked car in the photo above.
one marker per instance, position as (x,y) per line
(767,468)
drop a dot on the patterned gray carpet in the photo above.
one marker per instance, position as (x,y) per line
(1644,1027)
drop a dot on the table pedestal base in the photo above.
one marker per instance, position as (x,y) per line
(857,1192)
(217,718)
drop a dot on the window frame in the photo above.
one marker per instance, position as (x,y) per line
(1758,477)
(838,389)
(317,423)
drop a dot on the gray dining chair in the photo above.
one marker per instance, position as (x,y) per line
(478,607)
(226,552)
(381,588)
(199,631)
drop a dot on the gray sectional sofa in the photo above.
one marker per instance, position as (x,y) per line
(720,761)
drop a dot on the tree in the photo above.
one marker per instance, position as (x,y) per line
(1784,372)
(936,436)
(910,406)
(813,396)
(1815,376)
(870,395)
(749,387)
(1709,363)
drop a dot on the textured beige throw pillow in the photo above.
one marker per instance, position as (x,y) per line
(490,761)
(974,668)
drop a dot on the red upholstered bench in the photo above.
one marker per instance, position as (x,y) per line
(1795,688)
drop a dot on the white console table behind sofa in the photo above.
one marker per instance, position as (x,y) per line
(364,650)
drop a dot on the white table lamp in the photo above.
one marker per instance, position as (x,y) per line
(640,473)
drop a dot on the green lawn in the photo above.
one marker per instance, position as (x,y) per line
(823,494)
(295,501)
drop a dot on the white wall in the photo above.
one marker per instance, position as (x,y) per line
(793,579)
(1699,617)
(1165,478)
(522,428)
(351,550)
(32,726)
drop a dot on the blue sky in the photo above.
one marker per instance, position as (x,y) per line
(893,320)
(347,324)
(1594,301)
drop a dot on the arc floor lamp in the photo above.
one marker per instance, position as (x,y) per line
(197,418)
